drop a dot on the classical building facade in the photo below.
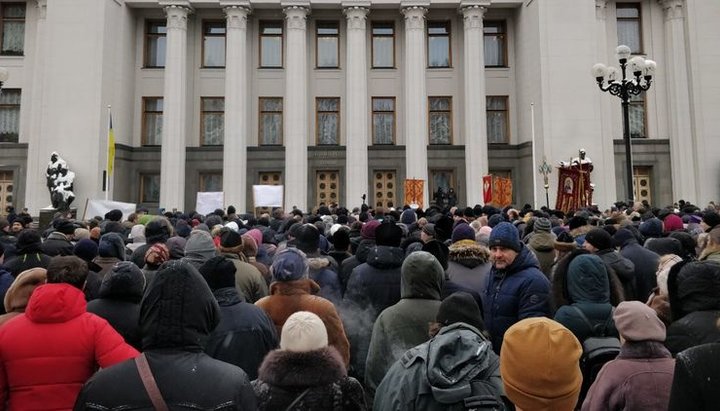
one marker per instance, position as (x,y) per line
(339,99)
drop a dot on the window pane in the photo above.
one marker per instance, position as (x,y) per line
(629,34)
(271,128)
(214,51)
(327,31)
(211,182)
(213,129)
(636,112)
(13,38)
(271,52)
(496,127)
(439,128)
(9,116)
(327,49)
(271,104)
(439,103)
(213,104)
(380,30)
(327,128)
(277,30)
(628,12)
(439,51)
(383,104)
(153,129)
(157,28)
(496,103)
(494,52)
(383,128)
(154,104)
(156,51)
(383,52)
(150,188)
(327,104)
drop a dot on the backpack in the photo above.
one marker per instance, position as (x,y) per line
(598,349)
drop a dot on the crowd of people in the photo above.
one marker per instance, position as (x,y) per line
(445,308)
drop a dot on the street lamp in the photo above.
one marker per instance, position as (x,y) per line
(619,84)
(4,74)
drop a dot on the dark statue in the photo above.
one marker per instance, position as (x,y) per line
(59,182)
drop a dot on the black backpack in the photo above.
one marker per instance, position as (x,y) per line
(598,349)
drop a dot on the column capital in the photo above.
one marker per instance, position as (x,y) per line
(473,15)
(673,8)
(42,8)
(236,15)
(600,9)
(296,14)
(414,16)
(356,16)
(176,14)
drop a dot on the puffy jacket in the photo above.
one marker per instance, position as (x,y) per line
(436,375)
(244,335)
(319,376)
(350,263)
(520,291)
(694,387)
(49,352)
(469,264)
(376,283)
(57,243)
(177,315)
(323,270)
(405,324)
(624,268)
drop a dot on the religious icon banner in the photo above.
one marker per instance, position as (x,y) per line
(497,191)
(414,192)
(574,190)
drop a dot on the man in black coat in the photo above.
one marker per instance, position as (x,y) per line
(645,261)
(58,242)
(177,315)
(697,371)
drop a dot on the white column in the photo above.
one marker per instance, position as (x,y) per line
(172,163)
(476,148)
(236,91)
(295,107)
(415,101)
(356,107)
(682,141)
(36,192)
(607,187)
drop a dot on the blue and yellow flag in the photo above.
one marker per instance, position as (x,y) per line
(111,147)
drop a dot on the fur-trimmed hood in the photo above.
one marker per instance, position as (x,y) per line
(17,296)
(469,253)
(302,369)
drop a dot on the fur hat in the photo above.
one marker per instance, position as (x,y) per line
(712,219)
(368,229)
(230,238)
(114,215)
(86,249)
(219,272)
(64,226)
(599,238)
(303,331)
(463,232)
(577,222)
(460,307)
(540,365)
(112,245)
(565,242)
(388,234)
(18,295)
(636,321)
(439,250)
(542,224)
(156,231)
(307,238)
(289,264)
(505,235)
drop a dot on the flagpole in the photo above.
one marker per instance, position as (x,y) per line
(534,159)
(107,155)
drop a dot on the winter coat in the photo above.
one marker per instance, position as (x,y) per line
(6,280)
(624,268)
(708,255)
(323,270)
(639,379)
(177,315)
(288,297)
(18,295)
(405,324)
(436,375)
(646,265)
(350,263)
(318,376)
(27,257)
(248,280)
(48,353)
(519,291)
(57,243)
(694,387)
(105,263)
(588,288)
(119,304)
(543,246)
(695,305)
(469,264)
(245,333)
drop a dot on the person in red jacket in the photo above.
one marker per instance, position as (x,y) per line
(48,353)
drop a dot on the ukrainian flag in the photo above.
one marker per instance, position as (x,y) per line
(111,147)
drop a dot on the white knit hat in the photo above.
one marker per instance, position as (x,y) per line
(303,331)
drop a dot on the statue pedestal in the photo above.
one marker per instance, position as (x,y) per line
(47,214)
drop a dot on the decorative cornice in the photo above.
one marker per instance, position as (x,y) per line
(177,16)
(296,16)
(236,16)
(356,17)
(600,9)
(473,16)
(673,9)
(414,17)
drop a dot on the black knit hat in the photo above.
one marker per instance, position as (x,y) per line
(439,250)
(599,238)
(460,307)
(712,219)
(307,238)
(229,238)
(219,272)
(64,226)
(114,215)
(388,234)
(576,222)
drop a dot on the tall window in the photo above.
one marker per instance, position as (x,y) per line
(328,120)
(211,182)
(9,115)
(155,42)
(383,120)
(383,45)
(629,26)
(214,44)
(212,120)
(326,38)
(271,44)
(438,44)
(12,19)
(440,117)
(497,119)
(152,121)
(495,44)
(149,187)
(271,120)
(637,116)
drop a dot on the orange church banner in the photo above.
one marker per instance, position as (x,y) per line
(414,192)
(574,191)
(497,191)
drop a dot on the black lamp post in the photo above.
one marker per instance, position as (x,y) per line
(618,83)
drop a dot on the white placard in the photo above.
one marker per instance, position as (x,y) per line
(100,207)
(209,201)
(268,196)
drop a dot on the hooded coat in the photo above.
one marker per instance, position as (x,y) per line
(349,264)
(436,375)
(288,297)
(517,292)
(625,270)
(111,250)
(18,295)
(588,288)
(28,254)
(285,375)
(57,243)
(49,352)
(248,280)
(405,324)
(646,264)
(177,316)
(469,264)
(542,244)
(323,270)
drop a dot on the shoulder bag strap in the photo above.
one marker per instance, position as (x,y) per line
(297,400)
(149,382)
(584,318)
